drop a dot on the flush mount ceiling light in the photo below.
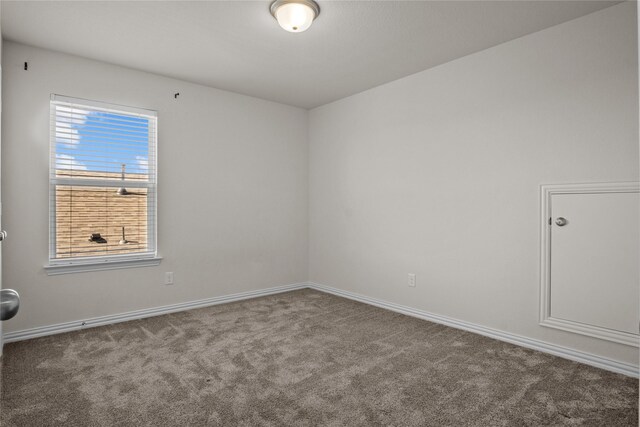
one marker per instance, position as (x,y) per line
(295,15)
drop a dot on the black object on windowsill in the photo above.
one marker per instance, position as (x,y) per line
(97,238)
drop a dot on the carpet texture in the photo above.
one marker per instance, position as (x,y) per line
(300,358)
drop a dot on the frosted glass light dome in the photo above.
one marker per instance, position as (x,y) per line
(295,16)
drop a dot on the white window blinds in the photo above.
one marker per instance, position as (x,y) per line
(102,182)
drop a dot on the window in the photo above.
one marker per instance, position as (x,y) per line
(102,185)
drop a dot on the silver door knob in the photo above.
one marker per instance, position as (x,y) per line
(561,222)
(3,235)
(9,303)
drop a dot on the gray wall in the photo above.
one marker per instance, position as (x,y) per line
(438,173)
(232,190)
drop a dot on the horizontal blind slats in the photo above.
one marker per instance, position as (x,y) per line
(77,103)
(99,137)
(99,182)
(70,118)
(89,159)
(68,121)
(70,149)
(72,143)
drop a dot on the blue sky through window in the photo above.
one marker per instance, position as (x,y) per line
(101,141)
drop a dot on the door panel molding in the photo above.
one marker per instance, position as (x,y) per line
(546,192)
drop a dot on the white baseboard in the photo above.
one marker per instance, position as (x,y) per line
(556,350)
(141,314)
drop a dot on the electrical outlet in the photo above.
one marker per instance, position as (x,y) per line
(412,280)
(168,278)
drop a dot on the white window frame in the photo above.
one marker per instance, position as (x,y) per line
(106,262)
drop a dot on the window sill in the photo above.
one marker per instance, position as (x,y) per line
(80,267)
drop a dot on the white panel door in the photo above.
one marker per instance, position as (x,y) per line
(594,259)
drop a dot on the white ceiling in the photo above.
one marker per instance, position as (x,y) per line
(238,46)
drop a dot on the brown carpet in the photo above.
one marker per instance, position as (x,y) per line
(300,358)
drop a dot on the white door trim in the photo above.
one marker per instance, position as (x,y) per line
(546,191)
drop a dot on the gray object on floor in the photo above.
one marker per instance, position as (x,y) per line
(300,358)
